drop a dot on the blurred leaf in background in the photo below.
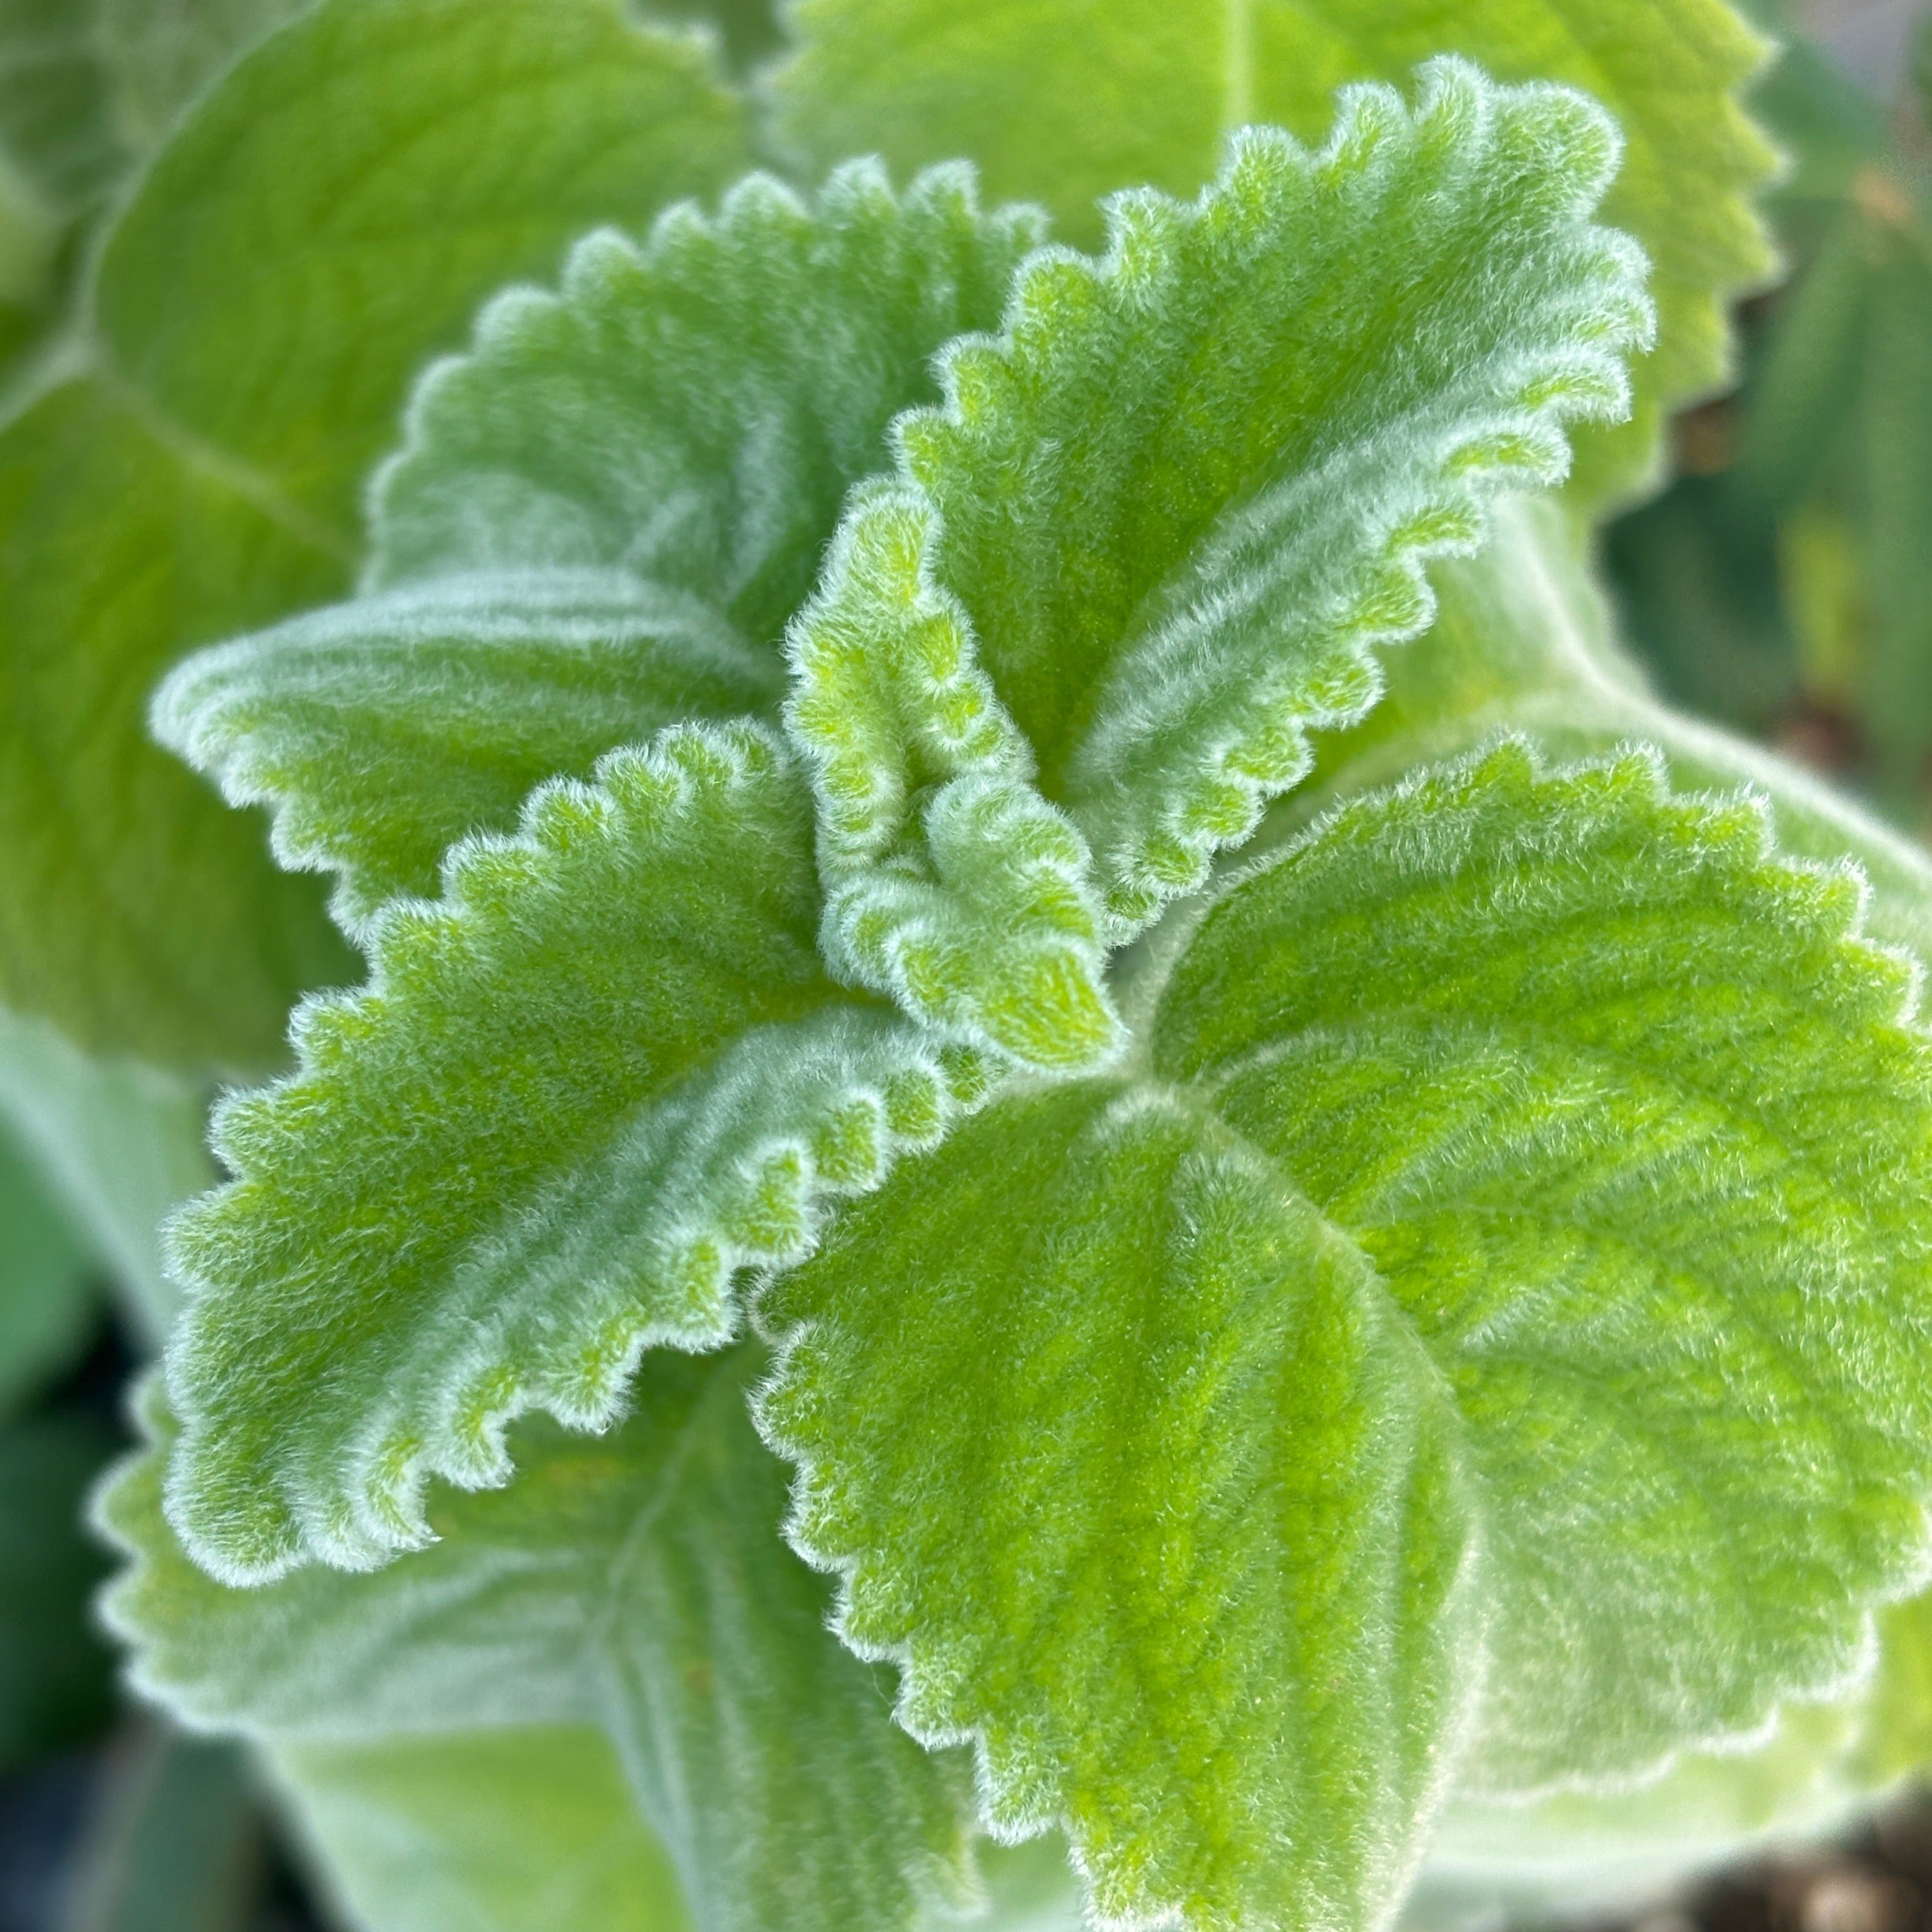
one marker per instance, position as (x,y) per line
(1784,583)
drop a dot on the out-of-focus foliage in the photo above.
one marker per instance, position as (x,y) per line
(1784,583)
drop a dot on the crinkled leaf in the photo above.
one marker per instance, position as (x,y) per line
(1633,1125)
(603,1072)
(636,1583)
(1130,1465)
(328,216)
(694,409)
(1064,103)
(1160,523)
(603,516)
(1582,1095)
(509,1831)
(385,729)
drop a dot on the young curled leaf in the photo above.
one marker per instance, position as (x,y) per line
(599,1077)
(1160,525)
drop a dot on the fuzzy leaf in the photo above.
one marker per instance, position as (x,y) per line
(328,216)
(582,1090)
(636,1584)
(1062,103)
(603,516)
(1564,1084)
(385,729)
(1160,523)
(1132,1470)
(693,410)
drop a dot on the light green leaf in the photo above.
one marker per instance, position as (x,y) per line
(88,87)
(1063,100)
(602,1074)
(119,1147)
(1582,1095)
(1128,1464)
(694,409)
(47,1302)
(328,217)
(384,729)
(603,516)
(1633,1125)
(636,1584)
(1160,523)
(509,1830)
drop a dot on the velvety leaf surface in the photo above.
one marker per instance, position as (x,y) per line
(1064,103)
(1633,1127)
(328,217)
(1590,1100)
(636,1583)
(602,516)
(1160,522)
(604,1071)
(383,730)
(1127,1464)
(694,408)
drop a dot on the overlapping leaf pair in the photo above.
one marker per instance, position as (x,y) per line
(1446,1310)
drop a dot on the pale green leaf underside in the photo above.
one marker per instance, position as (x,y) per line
(602,1073)
(635,1584)
(382,731)
(328,216)
(1160,523)
(1063,100)
(1590,1101)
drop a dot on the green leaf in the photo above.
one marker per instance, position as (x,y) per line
(1564,1086)
(384,729)
(694,410)
(604,515)
(117,1146)
(1064,103)
(1159,526)
(46,1301)
(1129,1466)
(328,217)
(602,1074)
(89,87)
(636,1584)
(513,1831)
